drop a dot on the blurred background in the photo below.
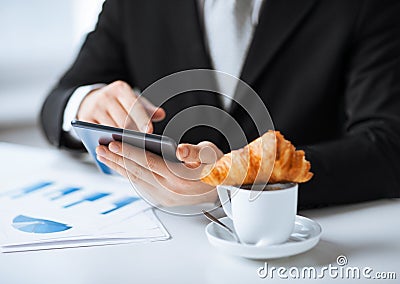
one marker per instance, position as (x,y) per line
(39,39)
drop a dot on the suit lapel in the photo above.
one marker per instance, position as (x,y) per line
(278,20)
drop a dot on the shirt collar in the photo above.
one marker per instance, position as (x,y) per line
(255,15)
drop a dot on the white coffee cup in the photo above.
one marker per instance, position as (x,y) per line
(259,216)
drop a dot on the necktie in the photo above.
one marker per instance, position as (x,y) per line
(229,30)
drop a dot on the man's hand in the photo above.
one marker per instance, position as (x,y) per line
(164,183)
(117,105)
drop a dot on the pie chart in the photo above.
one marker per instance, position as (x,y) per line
(38,226)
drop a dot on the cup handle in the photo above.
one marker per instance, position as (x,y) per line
(225,199)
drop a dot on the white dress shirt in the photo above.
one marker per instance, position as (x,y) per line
(80,93)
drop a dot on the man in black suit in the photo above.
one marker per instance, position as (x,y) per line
(327,70)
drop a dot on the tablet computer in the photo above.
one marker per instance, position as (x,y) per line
(93,135)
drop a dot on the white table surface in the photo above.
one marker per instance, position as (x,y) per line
(368,234)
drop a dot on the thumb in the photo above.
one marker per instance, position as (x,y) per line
(204,152)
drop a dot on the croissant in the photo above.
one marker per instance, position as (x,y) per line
(268,159)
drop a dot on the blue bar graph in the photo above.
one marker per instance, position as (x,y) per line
(121,203)
(32,188)
(64,192)
(90,198)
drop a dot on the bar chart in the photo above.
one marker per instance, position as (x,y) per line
(45,214)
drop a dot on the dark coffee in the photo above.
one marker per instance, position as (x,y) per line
(267,187)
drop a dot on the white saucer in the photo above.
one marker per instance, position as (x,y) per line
(305,236)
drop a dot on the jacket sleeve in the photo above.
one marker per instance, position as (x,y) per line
(365,163)
(100,60)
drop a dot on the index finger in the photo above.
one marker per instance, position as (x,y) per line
(133,106)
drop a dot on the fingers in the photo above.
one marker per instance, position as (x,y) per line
(156,113)
(129,101)
(119,169)
(133,168)
(149,185)
(145,159)
(117,105)
(171,172)
(204,152)
(120,116)
(146,190)
(141,111)
(170,191)
(105,119)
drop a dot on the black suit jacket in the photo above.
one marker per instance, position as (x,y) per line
(328,71)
